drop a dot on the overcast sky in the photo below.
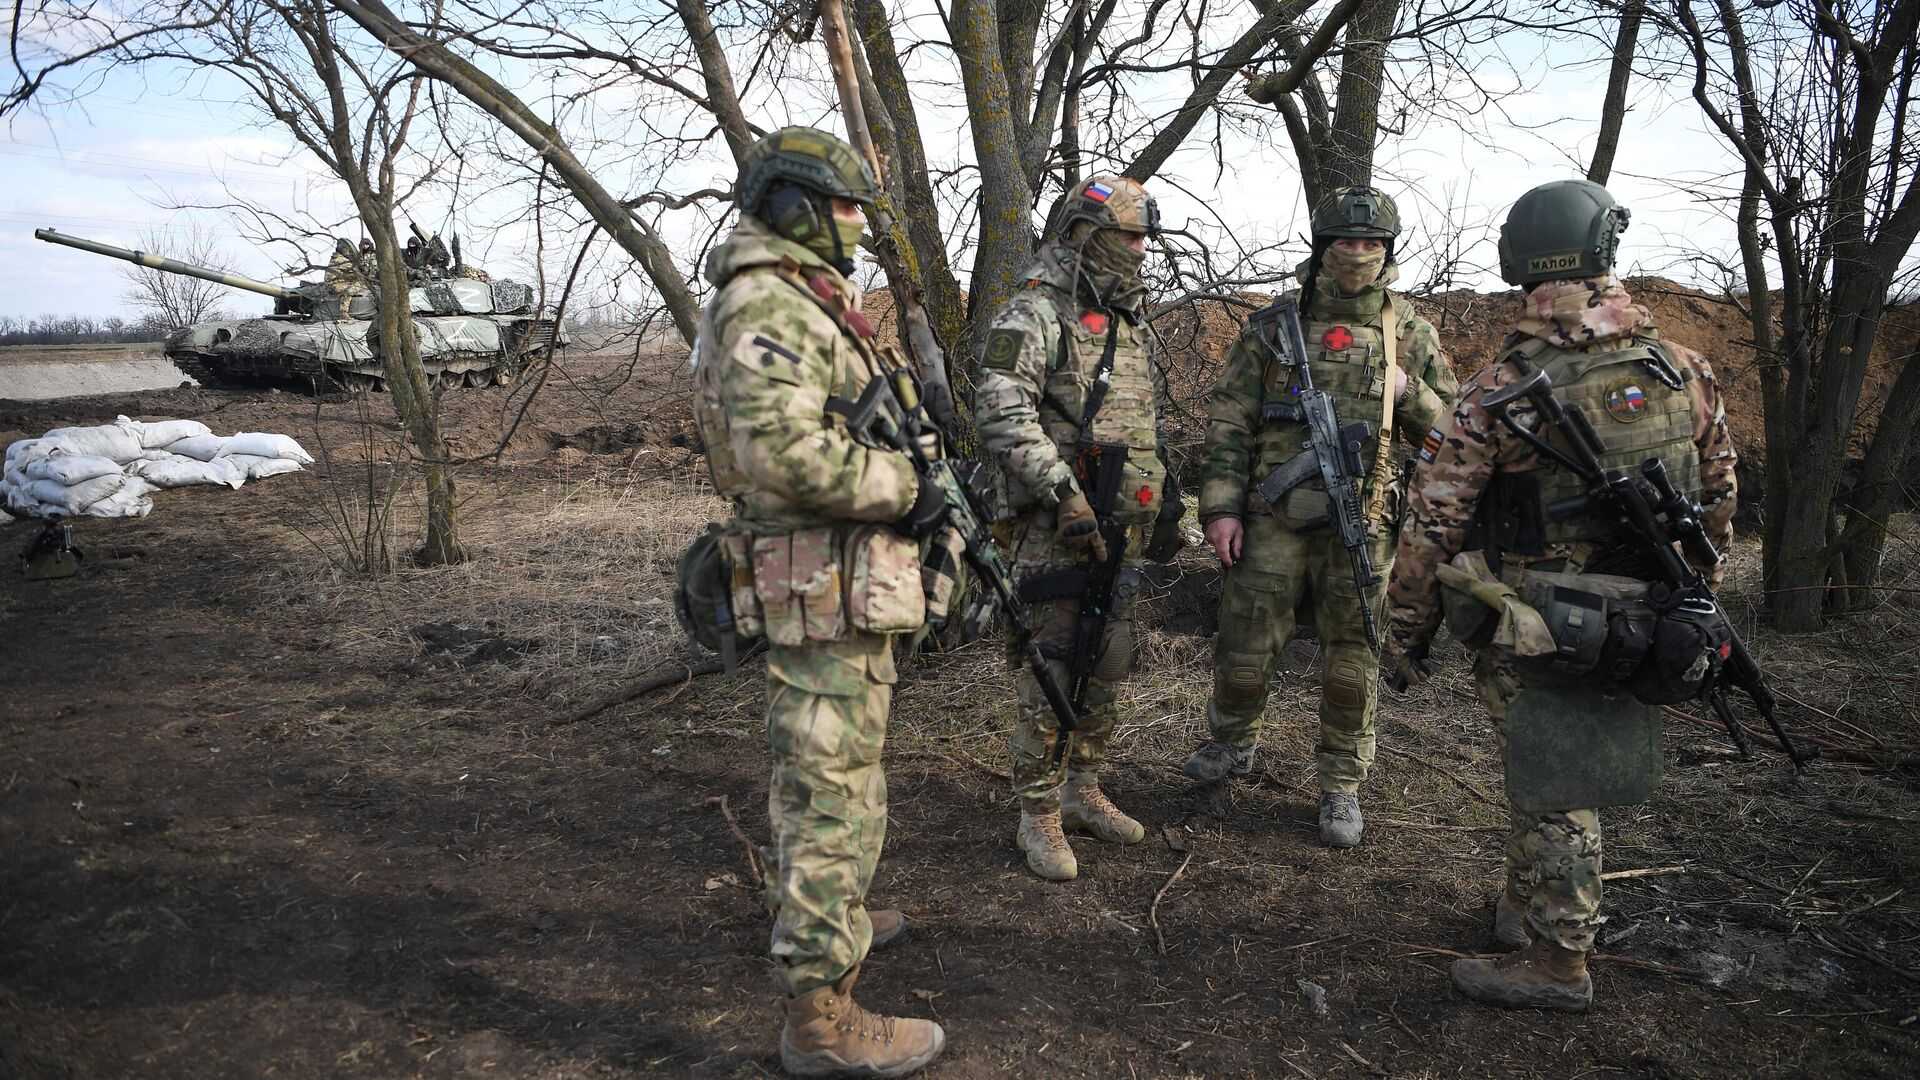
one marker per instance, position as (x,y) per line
(110,169)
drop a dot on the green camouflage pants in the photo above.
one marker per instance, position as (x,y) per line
(1035,728)
(827,801)
(1263,589)
(1553,860)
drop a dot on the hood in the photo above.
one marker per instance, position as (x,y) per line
(1581,313)
(754,243)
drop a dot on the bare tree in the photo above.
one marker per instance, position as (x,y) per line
(1816,98)
(1613,108)
(176,300)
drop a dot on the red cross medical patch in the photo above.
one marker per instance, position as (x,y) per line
(1094,321)
(1338,339)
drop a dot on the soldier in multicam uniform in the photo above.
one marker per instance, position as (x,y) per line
(835,570)
(1278,556)
(1482,490)
(1082,312)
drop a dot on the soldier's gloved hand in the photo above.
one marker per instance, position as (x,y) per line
(1078,528)
(929,509)
(1406,667)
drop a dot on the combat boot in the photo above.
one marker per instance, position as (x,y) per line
(888,925)
(1510,923)
(829,1034)
(1541,976)
(1215,761)
(1087,809)
(1044,843)
(1340,820)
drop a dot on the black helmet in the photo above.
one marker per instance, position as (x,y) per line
(1565,229)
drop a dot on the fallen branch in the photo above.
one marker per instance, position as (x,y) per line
(667,675)
(1153,912)
(1645,871)
(1448,773)
(753,856)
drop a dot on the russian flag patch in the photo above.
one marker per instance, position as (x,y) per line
(1099,192)
(1431,446)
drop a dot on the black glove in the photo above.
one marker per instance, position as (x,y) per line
(1167,538)
(1407,667)
(929,509)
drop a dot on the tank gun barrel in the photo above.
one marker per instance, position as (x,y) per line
(166,265)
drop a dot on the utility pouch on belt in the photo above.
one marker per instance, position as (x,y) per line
(798,579)
(885,593)
(1552,625)
(1572,747)
(713,593)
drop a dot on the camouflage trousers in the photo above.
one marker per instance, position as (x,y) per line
(827,801)
(1553,860)
(1277,567)
(1035,728)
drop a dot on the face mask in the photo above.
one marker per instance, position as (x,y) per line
(1353,271)
(1113,265)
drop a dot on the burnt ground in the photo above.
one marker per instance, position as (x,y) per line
(266,817)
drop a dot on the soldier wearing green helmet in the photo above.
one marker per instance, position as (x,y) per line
(1380,360)
(1501,538)
(825,562)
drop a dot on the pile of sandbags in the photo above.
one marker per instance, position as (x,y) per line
(111,470)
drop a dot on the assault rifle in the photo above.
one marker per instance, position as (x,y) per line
(890,414)
(1659,516)
(1100,468)
(1331,452)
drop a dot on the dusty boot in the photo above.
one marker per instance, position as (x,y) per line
(829,1034)
(1541,976)
(1340,820)
(1510,923)
(1046,846)
(1215,761)
(888,925)
(1087,809)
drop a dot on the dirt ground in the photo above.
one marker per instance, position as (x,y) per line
(267,817)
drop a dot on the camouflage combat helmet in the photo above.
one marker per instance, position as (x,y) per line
(1565,229)
(1106,202)
(1359,213)
(809,157)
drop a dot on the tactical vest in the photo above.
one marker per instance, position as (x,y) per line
(1635,415)
(1127,416)
(1346,347)
(854,368)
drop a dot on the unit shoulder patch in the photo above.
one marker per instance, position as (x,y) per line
(1003,349)
(1431,446)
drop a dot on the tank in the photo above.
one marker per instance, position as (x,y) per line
(473,330)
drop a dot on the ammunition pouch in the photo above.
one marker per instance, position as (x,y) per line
(1691,640)
(713,596)
(1554,626)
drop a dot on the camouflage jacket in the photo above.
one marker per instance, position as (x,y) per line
(1462,453)
(1041,354)
(767,359)
(1344,340)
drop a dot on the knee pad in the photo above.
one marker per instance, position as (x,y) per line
(1240,681)
(1347,683)
(1116,655)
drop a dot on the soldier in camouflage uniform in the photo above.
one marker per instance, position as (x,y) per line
(1604,355)
(827,525)
(1279,557)
(1080,313)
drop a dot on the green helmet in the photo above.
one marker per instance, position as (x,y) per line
(1359,213)
(807,157)
(1565,229)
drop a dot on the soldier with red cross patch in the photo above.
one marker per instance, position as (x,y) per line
(1377,357)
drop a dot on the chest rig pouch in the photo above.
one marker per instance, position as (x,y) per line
(1100,390)
(1346,347)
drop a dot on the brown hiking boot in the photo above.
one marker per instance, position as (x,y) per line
(1085,808)
(1509,923)
(888,925)
(1541,976)
(829,1034)
(1045,845)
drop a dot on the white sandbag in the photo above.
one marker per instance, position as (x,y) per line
(258,467)
(174,470)
(21,451)
(154,435)
(107,440)
(70,469)
(267,444)
(199,447)
(133,499)
(76,498)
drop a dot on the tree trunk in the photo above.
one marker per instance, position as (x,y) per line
(721,95)
(1347,159)
(1882,489)
(496,100)
(1613,109)
(1005,199)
